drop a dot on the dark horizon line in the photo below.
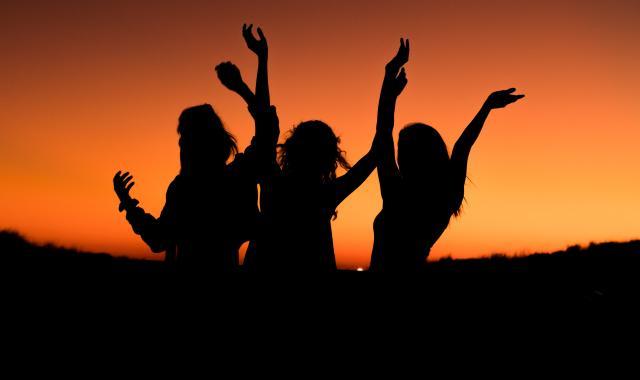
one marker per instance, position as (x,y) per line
(18,238)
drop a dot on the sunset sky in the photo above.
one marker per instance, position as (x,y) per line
(91,87)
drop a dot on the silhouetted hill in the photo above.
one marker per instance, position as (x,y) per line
(19,255)
(599,272)
(596,257)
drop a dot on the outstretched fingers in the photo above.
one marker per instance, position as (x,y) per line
(403,51)
(511,97)
(502,98)
(126,180)
(129,186)
(122,183)
(246,30)
(510,92)
(401,57)
(247,33)
(258,46)
(120,177)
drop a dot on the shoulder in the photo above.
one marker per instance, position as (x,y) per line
(174,186)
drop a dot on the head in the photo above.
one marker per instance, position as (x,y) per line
(424,163)
(204,143)
(422,154)
(312,151)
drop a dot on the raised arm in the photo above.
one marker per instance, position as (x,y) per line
(352,179)
(261,49)
(229,75)
(462,147)
(267,131)
(267,126)
(155,232)
(394,82)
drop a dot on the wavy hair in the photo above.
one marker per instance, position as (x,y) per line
(312,149)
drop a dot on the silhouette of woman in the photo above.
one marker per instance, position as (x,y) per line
(211,206)
(426,186)
(300,192)
(266,121)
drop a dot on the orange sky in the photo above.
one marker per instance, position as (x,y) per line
(88,89)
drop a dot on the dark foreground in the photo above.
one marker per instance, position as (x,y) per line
(595,275)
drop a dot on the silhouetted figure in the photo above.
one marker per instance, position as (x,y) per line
(299,192)
(266,121)
(211,206)
(300,197)
(426,186)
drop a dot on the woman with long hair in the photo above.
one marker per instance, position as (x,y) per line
(211,207)
(300,192)
(425,187)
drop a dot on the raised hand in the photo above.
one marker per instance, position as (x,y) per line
(122,185)
(382,149)
(395,82)
(258,46)
(230,76)
(501,99)
(398,83)
(401,58)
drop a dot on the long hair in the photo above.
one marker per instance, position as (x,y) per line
(312,150)
(423,160)
(204,142)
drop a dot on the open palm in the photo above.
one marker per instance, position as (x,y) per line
(501,99)
(401,57)
(258,46)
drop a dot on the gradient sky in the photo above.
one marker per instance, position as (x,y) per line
(90,87)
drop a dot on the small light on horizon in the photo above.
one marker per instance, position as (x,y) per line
(360,269)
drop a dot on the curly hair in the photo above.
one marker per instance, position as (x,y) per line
(312,149)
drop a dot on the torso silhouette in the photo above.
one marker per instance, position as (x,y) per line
(407,227)
(205,219)
(295,229)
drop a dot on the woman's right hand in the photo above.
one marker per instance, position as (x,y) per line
(122,185)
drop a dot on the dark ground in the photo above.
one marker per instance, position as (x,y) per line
(602,272)
(574,296)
